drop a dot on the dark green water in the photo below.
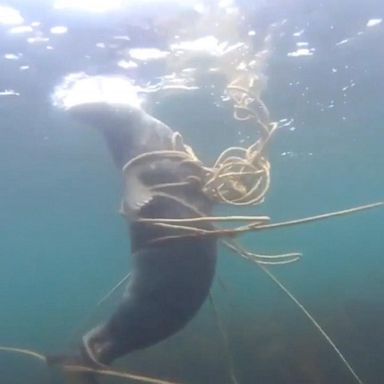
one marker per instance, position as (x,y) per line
(63,245)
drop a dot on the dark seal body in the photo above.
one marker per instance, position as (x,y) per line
(169,280)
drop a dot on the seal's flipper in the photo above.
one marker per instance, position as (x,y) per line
(135,197)
(71,376)
(136,193)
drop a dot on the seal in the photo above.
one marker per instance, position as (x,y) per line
(169,280)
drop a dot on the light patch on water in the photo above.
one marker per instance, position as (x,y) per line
(199,8)
(79,88)
(350,85)
(122,37)
(144,54)
(171,84)
(188,70)
(24,67)
(9,92)
(286,123)
(136,7)
(21,29)
(59,29)
(225,3)
(342,42)
(302,52)
(205,45)
(10,16)
(374,22)
(12,56)
(288,154)
(37,40)
(127,64)
(97,6)
(302,44)
(298,33)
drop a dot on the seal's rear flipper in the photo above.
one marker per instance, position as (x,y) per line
(80,378)
(70,366)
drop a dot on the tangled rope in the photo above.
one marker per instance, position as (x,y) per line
(241,176)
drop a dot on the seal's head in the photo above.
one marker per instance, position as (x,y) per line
(113,106)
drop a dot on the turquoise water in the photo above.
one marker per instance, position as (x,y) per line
(63,244)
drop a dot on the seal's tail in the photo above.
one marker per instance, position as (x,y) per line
(76,369)
(80,378)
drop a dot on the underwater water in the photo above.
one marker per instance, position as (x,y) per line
(63,244)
